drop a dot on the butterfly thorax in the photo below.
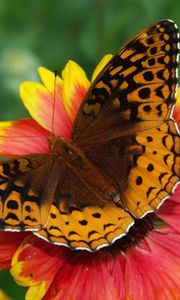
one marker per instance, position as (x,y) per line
(75,160)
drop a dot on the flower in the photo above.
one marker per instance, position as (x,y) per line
(149,269)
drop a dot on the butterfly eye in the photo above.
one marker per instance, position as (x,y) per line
(69,151)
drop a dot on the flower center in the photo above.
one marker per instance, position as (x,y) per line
(136,233)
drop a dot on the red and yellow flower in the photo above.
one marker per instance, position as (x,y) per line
(148,270)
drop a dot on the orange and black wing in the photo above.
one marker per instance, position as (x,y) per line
(135,90)
(26,191)
(81,220)
(144,167)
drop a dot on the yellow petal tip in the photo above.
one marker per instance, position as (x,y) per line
(101,65)
(36,292)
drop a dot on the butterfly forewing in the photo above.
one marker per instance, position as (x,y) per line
(135,90)
(26,191)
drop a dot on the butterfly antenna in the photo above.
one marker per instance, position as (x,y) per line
(54,103)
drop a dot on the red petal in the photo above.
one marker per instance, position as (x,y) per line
(22,137)
(169,212)
(164,247)
(65,271)
(9,242)
(153,268)
(84,276)
(35,252)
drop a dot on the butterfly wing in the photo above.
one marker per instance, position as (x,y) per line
(26,191)
(80,220)
(145,167)
(135,90)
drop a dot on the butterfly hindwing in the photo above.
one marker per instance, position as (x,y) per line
(135,90)
(80,220)
(144,167)
(155,169)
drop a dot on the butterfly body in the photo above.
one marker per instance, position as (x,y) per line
(75,160)
(123,159)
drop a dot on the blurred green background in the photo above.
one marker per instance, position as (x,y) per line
(48,33)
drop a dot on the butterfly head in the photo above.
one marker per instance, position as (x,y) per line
(60,146)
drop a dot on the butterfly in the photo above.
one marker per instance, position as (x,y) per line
(123,159)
